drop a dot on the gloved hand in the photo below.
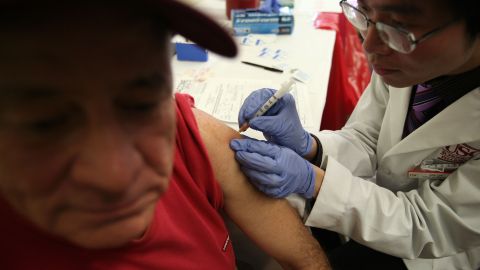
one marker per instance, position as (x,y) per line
(275,170)
(280,124)
(270,6)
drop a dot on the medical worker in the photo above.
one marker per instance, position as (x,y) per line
(401,180)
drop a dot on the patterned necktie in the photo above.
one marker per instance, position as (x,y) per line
(432,97)
(422,108)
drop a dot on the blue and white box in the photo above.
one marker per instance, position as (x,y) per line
(252,21)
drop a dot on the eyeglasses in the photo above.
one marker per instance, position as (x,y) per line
(396,38)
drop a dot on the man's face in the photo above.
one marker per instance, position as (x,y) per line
(87,126)
(447,52)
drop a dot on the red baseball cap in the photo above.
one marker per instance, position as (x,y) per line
(178,17)
(195,26)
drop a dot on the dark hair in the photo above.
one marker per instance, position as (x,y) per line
(469,10)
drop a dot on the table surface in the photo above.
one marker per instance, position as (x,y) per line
(307,49)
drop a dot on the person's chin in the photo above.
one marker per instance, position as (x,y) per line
(113,233)
(396,79)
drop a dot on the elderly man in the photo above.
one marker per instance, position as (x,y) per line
(101,167)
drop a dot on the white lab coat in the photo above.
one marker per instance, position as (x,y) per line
(417,220)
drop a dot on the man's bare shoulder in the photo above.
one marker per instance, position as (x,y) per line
(216,136)
(213,128)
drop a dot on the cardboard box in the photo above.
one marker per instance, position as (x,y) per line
(251,21)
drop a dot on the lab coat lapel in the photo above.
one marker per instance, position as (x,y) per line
(459,122)
(399,100)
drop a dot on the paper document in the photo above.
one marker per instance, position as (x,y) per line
(265,56)
(223,98)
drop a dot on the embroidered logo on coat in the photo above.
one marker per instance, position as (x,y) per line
(459,153)
(444,161)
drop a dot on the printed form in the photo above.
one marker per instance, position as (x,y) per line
(223,98)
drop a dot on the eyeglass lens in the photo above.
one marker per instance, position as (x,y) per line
(393,37)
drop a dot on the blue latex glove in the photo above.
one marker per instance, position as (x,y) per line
(280,124)
(275,170)
(270,6)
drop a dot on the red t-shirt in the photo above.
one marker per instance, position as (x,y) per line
(186,233)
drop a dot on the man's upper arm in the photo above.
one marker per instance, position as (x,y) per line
(271,223)
(216,137)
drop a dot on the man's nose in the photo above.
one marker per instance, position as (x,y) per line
(373,43)
(107,160)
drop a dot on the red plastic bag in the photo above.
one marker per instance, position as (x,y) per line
(350,72)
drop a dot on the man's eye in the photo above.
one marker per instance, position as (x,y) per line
(140,107)
(365,9)
(399,24)
(47,124)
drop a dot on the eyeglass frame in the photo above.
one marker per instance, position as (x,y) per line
(408,34)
